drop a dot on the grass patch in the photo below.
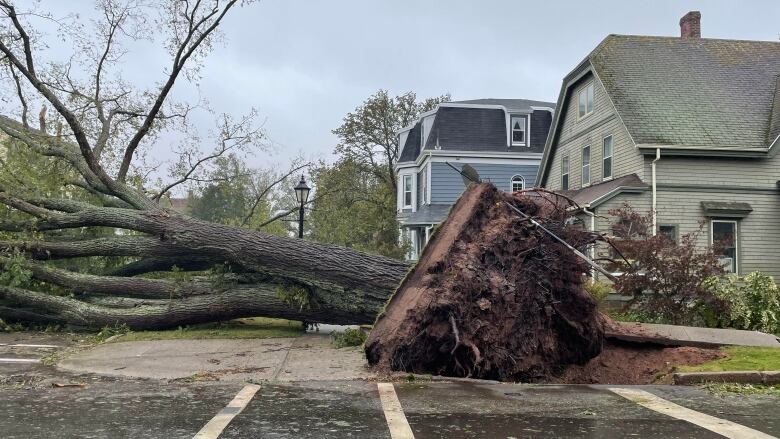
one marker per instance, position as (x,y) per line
(350,337)
(740,358)
(722,389)
(254,327)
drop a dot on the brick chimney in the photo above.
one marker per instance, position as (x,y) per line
(690,25)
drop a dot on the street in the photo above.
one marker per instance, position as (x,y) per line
(116,407)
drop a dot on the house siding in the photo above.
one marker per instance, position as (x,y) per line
(447,185)
(726,172)
(575,134)
(757,234)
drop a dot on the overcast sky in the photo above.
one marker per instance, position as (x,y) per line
(305,64)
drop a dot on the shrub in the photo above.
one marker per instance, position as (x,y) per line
(599,290)
(668,277)
(753,302)
(350,337)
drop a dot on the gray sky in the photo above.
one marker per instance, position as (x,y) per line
(305,64)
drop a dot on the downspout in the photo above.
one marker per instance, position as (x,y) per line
(591,248)
(655,196)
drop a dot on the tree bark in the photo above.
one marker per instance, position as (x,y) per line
(279,277)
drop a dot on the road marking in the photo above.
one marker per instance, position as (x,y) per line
(217,424)
(720,426)
(19,360)
(23,345)
(394,413)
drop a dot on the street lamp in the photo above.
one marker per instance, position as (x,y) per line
(302,195)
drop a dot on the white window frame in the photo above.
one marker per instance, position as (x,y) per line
(565,159)
(512,130)
(404,178)
(424,180)
(585,166)
(512,181)
(604,157)
(587,89)
(736,239)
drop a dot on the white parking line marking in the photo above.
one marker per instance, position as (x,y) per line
(394,413)
(19,360)
(720,426)
(217,424)
(23,345)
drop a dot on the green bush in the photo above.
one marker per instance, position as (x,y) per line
(350,337)
(752,302)
(599,290)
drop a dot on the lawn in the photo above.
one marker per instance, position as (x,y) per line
(255,327)
(740,358)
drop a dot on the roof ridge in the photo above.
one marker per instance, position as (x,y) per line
(667,37)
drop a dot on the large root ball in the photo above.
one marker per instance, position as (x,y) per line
(493,296)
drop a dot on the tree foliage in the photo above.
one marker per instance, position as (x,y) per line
(354,210)
(668,277)
(358,203)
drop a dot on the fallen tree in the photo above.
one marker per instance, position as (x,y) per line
(494,296)
(55,237)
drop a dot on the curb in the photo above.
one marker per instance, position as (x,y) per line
(739,377)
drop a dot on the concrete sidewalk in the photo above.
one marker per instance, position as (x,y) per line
(310,357)
(673,335)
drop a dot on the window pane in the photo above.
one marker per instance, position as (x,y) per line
(608,146)
(590,98)
(565,182)
(586,155)
(517,183)
(407,190)
(583,102)
(668,231)
(724,239)
(565,165)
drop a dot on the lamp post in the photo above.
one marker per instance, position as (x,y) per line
(302,195)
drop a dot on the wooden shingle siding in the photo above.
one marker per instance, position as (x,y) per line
(591,130)
(447,185)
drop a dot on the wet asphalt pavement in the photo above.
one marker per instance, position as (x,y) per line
(31,407)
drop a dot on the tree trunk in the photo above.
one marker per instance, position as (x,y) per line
(276,277)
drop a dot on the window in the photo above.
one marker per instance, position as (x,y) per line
(723,237)
(669,231)
(565,172)
(427,124)
(407,191)
(586,166)
(586,101)
(518,130)
(517,183)
(607,158)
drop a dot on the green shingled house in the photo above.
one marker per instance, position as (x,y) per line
(683,127)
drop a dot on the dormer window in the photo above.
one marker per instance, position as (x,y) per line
(518,130)
(586,101)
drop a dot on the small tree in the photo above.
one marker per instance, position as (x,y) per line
(667,276)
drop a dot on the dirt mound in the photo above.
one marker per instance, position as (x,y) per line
(629,363)
(493,296)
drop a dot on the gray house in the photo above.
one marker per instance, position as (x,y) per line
(685,128)
(502,139)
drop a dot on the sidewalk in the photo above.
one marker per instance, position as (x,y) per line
(672,335)
(310,357)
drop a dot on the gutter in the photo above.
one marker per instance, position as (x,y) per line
(655,196)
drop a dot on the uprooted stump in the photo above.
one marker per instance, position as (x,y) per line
(493,296)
